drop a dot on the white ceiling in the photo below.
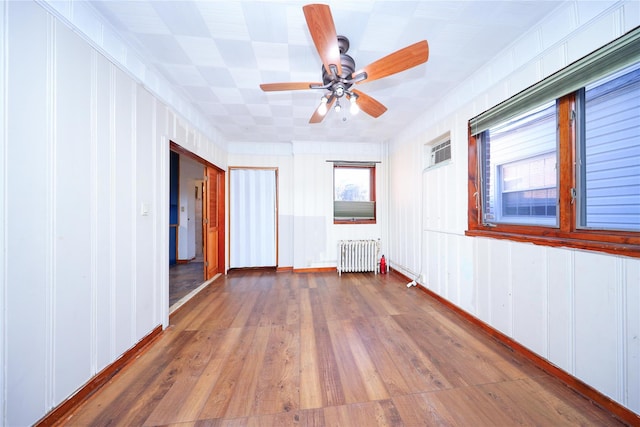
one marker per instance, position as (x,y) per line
(217,53)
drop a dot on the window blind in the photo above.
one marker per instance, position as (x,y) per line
(348,210)
(620,53)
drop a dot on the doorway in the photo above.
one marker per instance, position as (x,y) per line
(196,212)
(253,214)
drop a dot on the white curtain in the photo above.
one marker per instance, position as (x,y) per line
(252,218)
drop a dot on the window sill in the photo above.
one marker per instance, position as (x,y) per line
(623,249)
(354,221)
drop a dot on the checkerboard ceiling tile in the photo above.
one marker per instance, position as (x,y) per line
(217,53)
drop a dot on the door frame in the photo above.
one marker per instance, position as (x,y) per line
(221,203)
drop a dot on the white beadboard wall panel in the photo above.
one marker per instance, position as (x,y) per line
(558,25)
(483,280)
(500,272)
(102,177)
(85,274)
(82,17)
(631,298)
(406,191)
(450,246)
(310,224)
(560,282)
(553,59)
(597,320)
(529,289)
(161,214)
(72,215)
(3,168)
(29,217)
(147,299)
(599,31)
(123,169)
(522,77)
(467,291)
(431,270)
(630,15)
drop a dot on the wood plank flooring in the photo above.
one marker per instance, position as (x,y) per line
(260,348)
(184,278)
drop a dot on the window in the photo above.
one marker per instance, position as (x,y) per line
(354,193)
(519,169)
(559,163)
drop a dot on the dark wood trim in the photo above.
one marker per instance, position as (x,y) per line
(473,187)
(66,408)
(284,269)
(625,243)
(354,221)
(314,270)
(565,240)
(599,399)
(221,178)
(265,268)
(566,155)
(185,152)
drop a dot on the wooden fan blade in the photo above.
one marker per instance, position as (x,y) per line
(323,33)
(269,87)
(317,117)
(397,61)
(369,105)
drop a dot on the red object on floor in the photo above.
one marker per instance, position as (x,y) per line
(383,265)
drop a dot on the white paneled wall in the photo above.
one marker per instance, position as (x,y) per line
(578,309)
(307,236)
(83,270)
(3,197)
(276,156)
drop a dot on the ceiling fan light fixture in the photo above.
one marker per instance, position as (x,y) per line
(339,69)
(323,105)
(354,108)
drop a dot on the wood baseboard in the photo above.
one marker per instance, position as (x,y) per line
(622,413)
(314,270)
(284,269)
(66,408)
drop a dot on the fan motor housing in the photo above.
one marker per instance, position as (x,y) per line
(348,67)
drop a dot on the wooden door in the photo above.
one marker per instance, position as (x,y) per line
(213,219)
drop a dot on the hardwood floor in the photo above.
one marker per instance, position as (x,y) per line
(184,278)
(263,349)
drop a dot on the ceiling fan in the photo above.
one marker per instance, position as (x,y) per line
(339,69)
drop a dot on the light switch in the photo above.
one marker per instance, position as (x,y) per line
(144,209)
